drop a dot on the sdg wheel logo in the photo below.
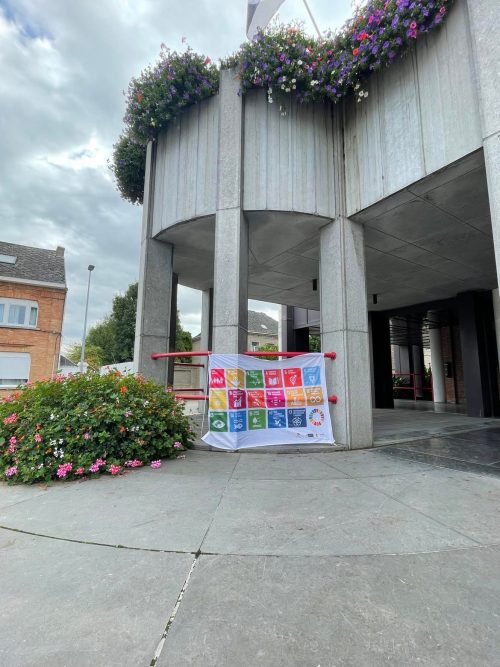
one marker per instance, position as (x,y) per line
(316,417)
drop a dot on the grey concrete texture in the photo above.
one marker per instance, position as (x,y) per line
(338,612)
(345,558)
(66,604)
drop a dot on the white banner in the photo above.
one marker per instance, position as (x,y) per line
(254,403)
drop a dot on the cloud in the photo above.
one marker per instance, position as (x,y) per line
(64,66)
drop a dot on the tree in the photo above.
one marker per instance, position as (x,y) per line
(269,347)
(314,343)
(115,335)
(93,355)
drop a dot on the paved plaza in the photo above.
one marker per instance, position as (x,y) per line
(388,556)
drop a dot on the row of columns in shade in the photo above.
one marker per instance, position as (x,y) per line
(343,303)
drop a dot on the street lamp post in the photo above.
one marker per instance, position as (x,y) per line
(82,356)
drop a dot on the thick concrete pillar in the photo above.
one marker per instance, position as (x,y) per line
(437,363)
(484,16)
(230,322)
(286,329)
(172,341)
(381,360)
(479,353)
(154,298)
(496,312)
(205,341)
(344,330)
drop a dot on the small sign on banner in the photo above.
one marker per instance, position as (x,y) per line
(253,402)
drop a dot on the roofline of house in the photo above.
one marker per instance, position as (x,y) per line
(38,283)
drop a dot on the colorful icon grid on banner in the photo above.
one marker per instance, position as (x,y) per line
(253,396)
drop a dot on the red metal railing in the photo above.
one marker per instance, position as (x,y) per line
(204,397)
(412,386)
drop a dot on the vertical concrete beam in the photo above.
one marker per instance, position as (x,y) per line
(484,17)
(230,321)
(479,353)
(496,311)
(172,340)
(382,360)
(437,363)
(155,288)
(205,341)
(344,329)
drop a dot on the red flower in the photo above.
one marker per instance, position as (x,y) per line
(355,52)
(123,389)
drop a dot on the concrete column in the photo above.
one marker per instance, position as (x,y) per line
(344,330)
(285,329)
(437,363)
(154,301)
(230,323)
(484,16)
(418,370)
(496,311)
(205,340)
(172,341)
(381,360)
(479,353)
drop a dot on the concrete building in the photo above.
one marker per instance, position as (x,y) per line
(361,212)
(32,296)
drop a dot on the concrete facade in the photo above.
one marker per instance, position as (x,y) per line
(390,203)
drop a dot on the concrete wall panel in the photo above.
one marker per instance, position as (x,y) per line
(421,114)
(186,172)
(288,158)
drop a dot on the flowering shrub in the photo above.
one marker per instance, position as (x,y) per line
(286,59)
(86,425)
(283,60)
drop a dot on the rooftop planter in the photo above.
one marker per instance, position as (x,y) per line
(284,60)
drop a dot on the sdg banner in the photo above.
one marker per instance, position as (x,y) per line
(254,403)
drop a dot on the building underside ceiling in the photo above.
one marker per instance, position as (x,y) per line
(428,242)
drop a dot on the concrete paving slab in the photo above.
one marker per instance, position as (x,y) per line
(201,463)
(463,447)
(11,495)
(465,502)
(74,605)
(437,460)
(267,466)
(434,610)
(146,508)
(367,463)
(320,517)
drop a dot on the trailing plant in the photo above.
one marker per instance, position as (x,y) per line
(86,425)
(283,59)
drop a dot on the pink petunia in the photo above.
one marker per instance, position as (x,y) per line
(178,445)
(80,471)
(64,469)
(10,419)
(114,469)
(11,471)
(86,436)
(38,437)
(156,464)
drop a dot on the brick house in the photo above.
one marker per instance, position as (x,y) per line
(32,295)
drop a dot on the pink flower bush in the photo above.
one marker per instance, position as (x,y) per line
(114,469)
(80,471)
(178,445)
(156,464)
(10,419)
(64,469)
(135,463)
(86,436)
(38,437)
(11,471)
(98,463)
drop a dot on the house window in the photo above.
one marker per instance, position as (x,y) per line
(14,369)
(255,346)
(18,313)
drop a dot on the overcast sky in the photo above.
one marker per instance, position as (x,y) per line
(63,66)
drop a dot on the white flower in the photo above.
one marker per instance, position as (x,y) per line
(314,82)
(85,413)
(294,80)
(61,440)
(284,78)
(52,415)
(365,94)
(146,403)
(299,62)
(52,442)
(287,90)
